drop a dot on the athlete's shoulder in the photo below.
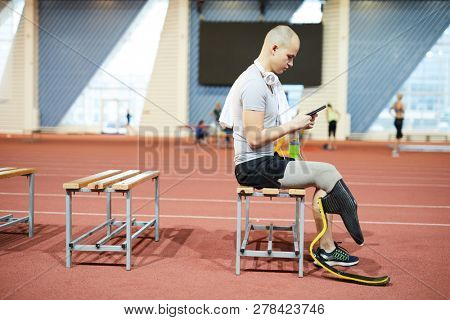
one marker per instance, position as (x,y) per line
(252,77)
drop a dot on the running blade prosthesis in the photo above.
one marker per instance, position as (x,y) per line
(370,281)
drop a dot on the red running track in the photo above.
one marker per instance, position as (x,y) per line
(404,208)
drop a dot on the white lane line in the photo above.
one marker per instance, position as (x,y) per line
(230,218)
(58,165)
(396,176)
(273,202)
(384,184)
(177,178)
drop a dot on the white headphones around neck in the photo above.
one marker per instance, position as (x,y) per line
(270,78)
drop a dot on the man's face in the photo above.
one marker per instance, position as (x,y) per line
(283,57)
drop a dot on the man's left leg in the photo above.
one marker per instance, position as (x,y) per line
(329,250)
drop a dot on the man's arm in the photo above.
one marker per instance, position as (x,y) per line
(258,136)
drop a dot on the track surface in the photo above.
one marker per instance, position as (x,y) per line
(404,208)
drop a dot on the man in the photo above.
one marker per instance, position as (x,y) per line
(255,108)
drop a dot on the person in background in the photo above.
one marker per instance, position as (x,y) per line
(216,113)
(128,126)
(399,114)
(333,117)
(228,131)
(201,132)
(128,117)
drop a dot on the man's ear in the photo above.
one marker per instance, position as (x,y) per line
(274,48)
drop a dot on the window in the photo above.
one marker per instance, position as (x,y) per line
(105,101)
(426,94)
(310,11)
(10,17)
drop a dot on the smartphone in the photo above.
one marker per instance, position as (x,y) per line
(316,111)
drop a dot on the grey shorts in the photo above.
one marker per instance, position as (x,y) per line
(304,174)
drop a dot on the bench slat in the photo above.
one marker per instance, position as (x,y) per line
(82,182)
(134,181)
(16,172)
(270,191)
(102,184)
(297,192)
(245,190)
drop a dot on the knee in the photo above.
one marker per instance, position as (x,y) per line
(329,168)
(319,194)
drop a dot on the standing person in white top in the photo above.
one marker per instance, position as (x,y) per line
(253,109)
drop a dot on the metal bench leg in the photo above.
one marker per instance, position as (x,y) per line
(238,234)
(296,237)
(108,212)
(128,230)
(68,228)
(157,209)
(269,245)
(31,205)
(302,234)
(247,211)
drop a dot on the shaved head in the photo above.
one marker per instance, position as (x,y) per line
(281,35)
(280,47)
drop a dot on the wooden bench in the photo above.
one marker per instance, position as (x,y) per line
(297,228)
(9,220)
(109,182)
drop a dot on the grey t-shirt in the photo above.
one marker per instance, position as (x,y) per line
(250,92)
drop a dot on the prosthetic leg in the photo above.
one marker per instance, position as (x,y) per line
(371,281)
(340,201)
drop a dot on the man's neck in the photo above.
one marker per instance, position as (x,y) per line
(264,63)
